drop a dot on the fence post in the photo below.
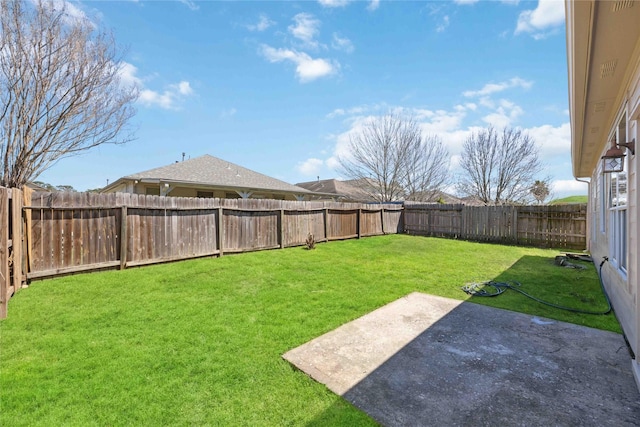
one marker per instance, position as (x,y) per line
(514,224)
(17,237)
(382,219)
(358,219)
(325,215)
(123,238)
(220,230)
(4,252)
(281,228)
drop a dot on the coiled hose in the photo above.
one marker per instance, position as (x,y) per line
(479,290)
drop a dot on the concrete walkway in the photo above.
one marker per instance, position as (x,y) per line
(429,361)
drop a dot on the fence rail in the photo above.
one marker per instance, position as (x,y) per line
(47,234)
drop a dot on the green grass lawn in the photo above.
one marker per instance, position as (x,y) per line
(200,342)
(570,200)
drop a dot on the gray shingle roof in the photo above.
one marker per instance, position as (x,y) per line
(334,186)
(209,170)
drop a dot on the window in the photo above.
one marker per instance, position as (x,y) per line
(618,197)
(205,194)
(618,216)
(598,204)
(150,191)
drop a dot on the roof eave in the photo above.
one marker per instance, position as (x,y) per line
(211,186)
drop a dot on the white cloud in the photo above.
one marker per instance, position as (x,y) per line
(350,112)
(72,13)
(547,16)
(465,2)
(552,141)
(505,114)
(443,25)
(306,28)
(568,187)
(263,23)
(190,4)
(307,68)
(373,5)
(440,121)
(168,99)
(342,43)
(334,3)
(183,88)
(310,166)
(491,88)
(225,114)
(487,102)
(335,113)
(128,75)
(71,10)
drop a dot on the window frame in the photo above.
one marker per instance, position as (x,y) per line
(618,206)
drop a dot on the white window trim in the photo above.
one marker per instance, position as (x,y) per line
(618,233)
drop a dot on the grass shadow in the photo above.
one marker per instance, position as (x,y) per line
(576,288)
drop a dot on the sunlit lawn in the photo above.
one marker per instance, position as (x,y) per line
(200,342)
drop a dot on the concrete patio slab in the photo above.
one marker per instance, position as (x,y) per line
(424,360)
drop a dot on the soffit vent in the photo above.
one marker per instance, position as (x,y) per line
(594,129)
(620,5)
(599,107)
(608,68)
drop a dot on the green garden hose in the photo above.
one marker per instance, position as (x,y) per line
(479,290)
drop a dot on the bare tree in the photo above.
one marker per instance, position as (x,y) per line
(499,167)
(60,88)
(427,170)
(390,160)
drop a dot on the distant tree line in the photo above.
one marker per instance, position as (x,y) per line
(390,159)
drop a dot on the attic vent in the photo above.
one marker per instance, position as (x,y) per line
(599,107)
(608,68)
(622,4)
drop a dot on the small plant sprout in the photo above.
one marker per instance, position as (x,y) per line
(310,242)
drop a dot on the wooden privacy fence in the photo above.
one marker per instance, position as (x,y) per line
(71,232)
(556,226)
(47,234)
(11,245)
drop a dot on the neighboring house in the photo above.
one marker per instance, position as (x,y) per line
(337,190)
(603,47)
(436,197)
(362,191)
(36,186)
(207,176)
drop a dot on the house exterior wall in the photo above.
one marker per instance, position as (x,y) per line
(621,283)
(177,191)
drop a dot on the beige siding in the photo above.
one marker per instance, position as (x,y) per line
(634,232)
(622,289)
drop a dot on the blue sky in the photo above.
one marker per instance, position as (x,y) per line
(278,87)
